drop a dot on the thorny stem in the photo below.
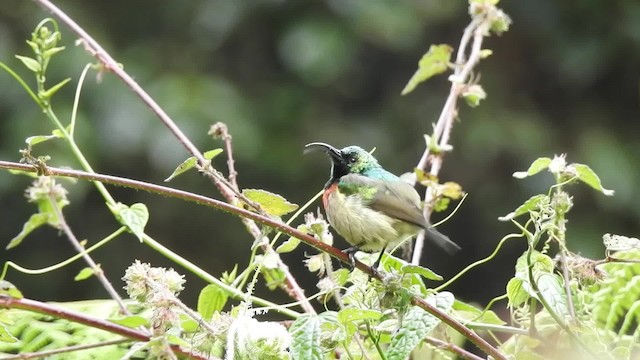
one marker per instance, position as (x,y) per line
(228,190)
(98,272)
(478,28)
(58,312)
(279,226)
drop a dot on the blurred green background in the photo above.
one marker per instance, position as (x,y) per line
(563,79)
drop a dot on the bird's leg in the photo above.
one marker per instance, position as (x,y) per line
(374,267)
(352,255)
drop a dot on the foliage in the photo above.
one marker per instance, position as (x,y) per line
(560,306)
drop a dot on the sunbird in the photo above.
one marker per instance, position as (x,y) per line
(371,208)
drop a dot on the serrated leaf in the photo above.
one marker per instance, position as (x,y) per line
(273,204)
(31,64)
(186,165)
(288,246)
(33,140)
(529,205)
(134,217)
(422,271)
(212,153)
(34,222)
(132,321)
(305,333)
(47,94)
(350,315)
(416,324)
(516,293)
(589,177)
(434,62)
(211,299)
(538,165)
(451,190)
(8,289)
(84,274)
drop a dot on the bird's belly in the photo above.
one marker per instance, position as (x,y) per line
(361,226)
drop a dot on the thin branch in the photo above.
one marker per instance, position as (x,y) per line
(58,312)
(97,271)
(451,347)
(277,225)
(442,131)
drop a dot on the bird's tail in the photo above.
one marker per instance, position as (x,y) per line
(442,240)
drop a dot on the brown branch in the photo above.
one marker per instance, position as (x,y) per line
(277,225)
(451,347)
(58,312)
(47,353)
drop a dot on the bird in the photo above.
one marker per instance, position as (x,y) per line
(371,208)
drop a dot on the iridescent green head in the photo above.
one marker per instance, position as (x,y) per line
(349,160)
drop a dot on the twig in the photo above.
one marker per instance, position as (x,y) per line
(68,349)
(227,189)
(442,131)
(451,347)
(58,312)
(279,226)
(97,271)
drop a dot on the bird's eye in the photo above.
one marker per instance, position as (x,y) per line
(352,159)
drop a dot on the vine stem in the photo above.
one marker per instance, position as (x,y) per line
(478,29)
(277,225)
(58,312)
(225,187)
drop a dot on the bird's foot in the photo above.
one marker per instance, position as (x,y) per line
(352,255)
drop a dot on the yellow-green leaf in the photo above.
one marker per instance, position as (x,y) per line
(31,64)
(134,217)
(212,153)
(538,165)
(589,177)
(288,246)
(273,204)
(186,165)
(434,62)
(84,274)
(34,222)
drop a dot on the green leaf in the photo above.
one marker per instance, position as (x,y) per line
(34,222)
(516,294)
(211,299)
(33,140)
(31,64)
(350,315)
(134,217)
(550,287)
(530,205)
(273,204)
(5,335)
(8,289)
(305,333)
(84,274)
(47,94)
(538,165)
(422,271)
(472,313)
(434,62)
(589,177)
(341,276)
(416,324)
(132,321)
(186,165)
(50,52)
(212,153)
(473,94)
(289,245)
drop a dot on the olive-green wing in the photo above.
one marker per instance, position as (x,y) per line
(396,199)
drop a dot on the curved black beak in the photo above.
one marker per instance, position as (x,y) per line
(334,153)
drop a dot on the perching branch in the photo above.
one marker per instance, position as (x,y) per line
(277,225)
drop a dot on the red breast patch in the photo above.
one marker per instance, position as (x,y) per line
(327,192)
